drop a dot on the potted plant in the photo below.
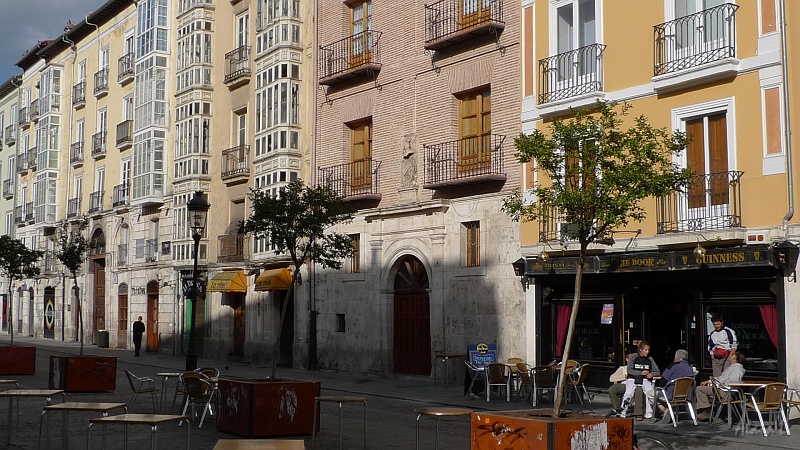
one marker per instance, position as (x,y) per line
(597,175)
(17,261)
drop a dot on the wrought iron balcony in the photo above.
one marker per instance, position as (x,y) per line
(11,135)
(32,158)
(34,110)
(22,118)
(711,202)
(124,134)
(30,217)
(22,163)
(122,254)
(121,195)
(74,207)
(236,163)
(350,57)
(466,160)
(237,67)
(571,74)
(19,214)
(76,154)
(449,22)
(99,145)
(79,95)
(359,180)
(151,250)
(231,247)
(101,82)
(95,201)
(126,69)
(48,264)
(697,39)
(8,189)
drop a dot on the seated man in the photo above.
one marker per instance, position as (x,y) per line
(678,369)
(704,392)
(641,370)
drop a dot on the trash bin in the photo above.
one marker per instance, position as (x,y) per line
(102,339)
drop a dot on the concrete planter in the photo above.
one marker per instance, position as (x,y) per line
(536,429)
(17,360)
(260,408)
(83,373)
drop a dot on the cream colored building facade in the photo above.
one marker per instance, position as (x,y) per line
(727,246)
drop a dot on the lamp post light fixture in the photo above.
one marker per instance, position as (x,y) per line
(197,212)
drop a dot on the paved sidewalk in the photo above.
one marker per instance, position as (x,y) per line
(391,422)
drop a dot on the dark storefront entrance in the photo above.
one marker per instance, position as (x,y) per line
(666,301)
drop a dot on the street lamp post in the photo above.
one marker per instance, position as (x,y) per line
(197,212)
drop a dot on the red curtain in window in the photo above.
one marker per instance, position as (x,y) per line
(562,323)
(769,314)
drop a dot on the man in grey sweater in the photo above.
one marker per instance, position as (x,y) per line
(734,372)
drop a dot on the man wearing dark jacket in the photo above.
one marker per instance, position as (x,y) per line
(138,330)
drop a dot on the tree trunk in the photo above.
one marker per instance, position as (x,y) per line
(276,351)
(568,344)
(10,309)
(76,291)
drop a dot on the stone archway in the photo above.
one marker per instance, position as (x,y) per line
(412,329)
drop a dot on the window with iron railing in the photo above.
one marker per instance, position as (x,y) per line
(237,63)
(99,144)
(101,81)
(76,152)
(122,254)
(79,93)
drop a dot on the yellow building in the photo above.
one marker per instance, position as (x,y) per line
(710,68)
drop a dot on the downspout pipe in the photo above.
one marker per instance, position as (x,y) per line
(787,128)
(13,232)
(312,310)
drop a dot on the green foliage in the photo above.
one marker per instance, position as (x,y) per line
(16,260)
(598,173)
(296,222)
(73,245)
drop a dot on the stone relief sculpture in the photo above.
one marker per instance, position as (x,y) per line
(408,165)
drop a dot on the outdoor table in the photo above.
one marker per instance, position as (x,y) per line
(166,376)
(66,407)
(445,357)
(338,399)
(154,420)
(438,412)
(260,444)
(48,394)
(14,382)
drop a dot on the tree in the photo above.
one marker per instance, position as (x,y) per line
(72,248)
(296,221)
(598,176)
(16,262)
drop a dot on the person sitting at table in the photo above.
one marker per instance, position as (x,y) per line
(617,390)
(641,370)
(705,392)
(678,369)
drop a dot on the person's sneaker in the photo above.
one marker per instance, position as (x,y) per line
(613,413)
(622,414)
(703,415)
(648,416)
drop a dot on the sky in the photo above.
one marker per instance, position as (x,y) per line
(25,22)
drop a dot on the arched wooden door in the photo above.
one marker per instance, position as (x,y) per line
(98,245)
(412,330)
(151,329)
(122,315)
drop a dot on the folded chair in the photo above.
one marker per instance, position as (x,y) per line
(725,396)
(476,374)
(498,375)
(771,404)
(199,392)
(683,387)
(142,385)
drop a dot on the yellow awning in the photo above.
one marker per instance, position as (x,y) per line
(228,281)
(274,280)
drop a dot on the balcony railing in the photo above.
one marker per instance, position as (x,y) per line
(711,202)
(350,57)
(19,214)
(571,73)
(121,196)
(22,162)
(34,110)
(30,217)
(237,66)
(101,82)
(696,39)
(448,22)
(465,160)
(96,201)
(79,95)
(126,68)
(74,207)
(122,254)
(22,118)
(48,263)
(151,250)
(32,158)
(231,247)
(99,145)
(358,180)
(11,135)
(76,153)
(236,162)
(8,189)
(124,134)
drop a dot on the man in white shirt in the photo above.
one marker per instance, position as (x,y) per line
(705,392)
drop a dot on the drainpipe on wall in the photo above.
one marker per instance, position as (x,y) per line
(312,304)
(13,232)
(787,121)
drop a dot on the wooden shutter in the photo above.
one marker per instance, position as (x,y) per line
(475,122)
(696,161)
(718,156)
(361,156)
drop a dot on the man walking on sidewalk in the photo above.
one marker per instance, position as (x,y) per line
(138,330)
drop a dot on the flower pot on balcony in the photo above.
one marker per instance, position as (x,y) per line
(17,360)
(83,373)
(537,429)
(260,407)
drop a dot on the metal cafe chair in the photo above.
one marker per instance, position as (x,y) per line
(772,404)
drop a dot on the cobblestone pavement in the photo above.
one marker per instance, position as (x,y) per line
(391,421)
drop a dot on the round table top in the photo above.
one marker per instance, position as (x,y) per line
(443,411)
(341,398)
(169,374)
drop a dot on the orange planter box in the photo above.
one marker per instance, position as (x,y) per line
(536,429)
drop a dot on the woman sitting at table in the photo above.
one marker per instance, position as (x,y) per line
(732,374)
